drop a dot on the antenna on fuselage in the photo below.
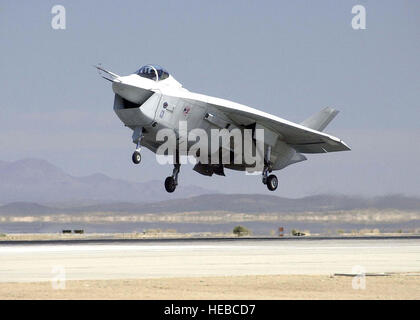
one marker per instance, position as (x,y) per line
(102,71)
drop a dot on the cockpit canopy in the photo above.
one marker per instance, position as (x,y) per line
(150,71)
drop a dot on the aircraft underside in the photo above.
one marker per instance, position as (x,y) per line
(148,140)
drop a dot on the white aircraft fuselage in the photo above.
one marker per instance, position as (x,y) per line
(151,99)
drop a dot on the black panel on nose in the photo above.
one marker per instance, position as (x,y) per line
(129,105)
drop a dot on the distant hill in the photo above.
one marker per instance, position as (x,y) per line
(28,186)
(26,208)
(259,203)
(235,203)
(36,180)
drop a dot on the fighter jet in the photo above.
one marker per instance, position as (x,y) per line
(151,99)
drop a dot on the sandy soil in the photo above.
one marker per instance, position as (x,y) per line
(113,236)
(241,287)
(173,235)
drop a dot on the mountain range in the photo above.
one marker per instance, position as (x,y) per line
(234,203)
(37,180)
(37,187)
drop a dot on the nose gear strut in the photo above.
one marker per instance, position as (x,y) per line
(137,136)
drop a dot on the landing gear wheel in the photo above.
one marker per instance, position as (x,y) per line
(272,182)
(170,184)
(136,157)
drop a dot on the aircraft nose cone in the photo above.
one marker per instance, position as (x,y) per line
(131,93)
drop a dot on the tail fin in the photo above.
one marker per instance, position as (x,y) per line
(320,120)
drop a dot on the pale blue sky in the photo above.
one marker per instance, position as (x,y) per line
(288,58)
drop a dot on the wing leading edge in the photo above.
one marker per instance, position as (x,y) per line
(301,138)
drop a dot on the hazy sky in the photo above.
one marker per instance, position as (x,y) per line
(288,58)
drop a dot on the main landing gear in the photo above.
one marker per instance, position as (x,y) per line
(269,180)
(172,181)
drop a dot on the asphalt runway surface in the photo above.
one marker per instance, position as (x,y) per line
(101,260)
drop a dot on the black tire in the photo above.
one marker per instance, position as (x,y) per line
(272,182)
(170,184)
(136,157)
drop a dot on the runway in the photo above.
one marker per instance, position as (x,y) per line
(136,260)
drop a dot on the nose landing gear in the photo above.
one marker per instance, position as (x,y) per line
(137,136)
(136,157)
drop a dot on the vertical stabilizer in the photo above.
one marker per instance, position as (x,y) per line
(320,120)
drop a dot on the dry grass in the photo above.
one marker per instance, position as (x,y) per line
(348,216)
(241,287)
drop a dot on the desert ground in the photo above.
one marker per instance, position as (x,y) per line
(213,269)
(402,286)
